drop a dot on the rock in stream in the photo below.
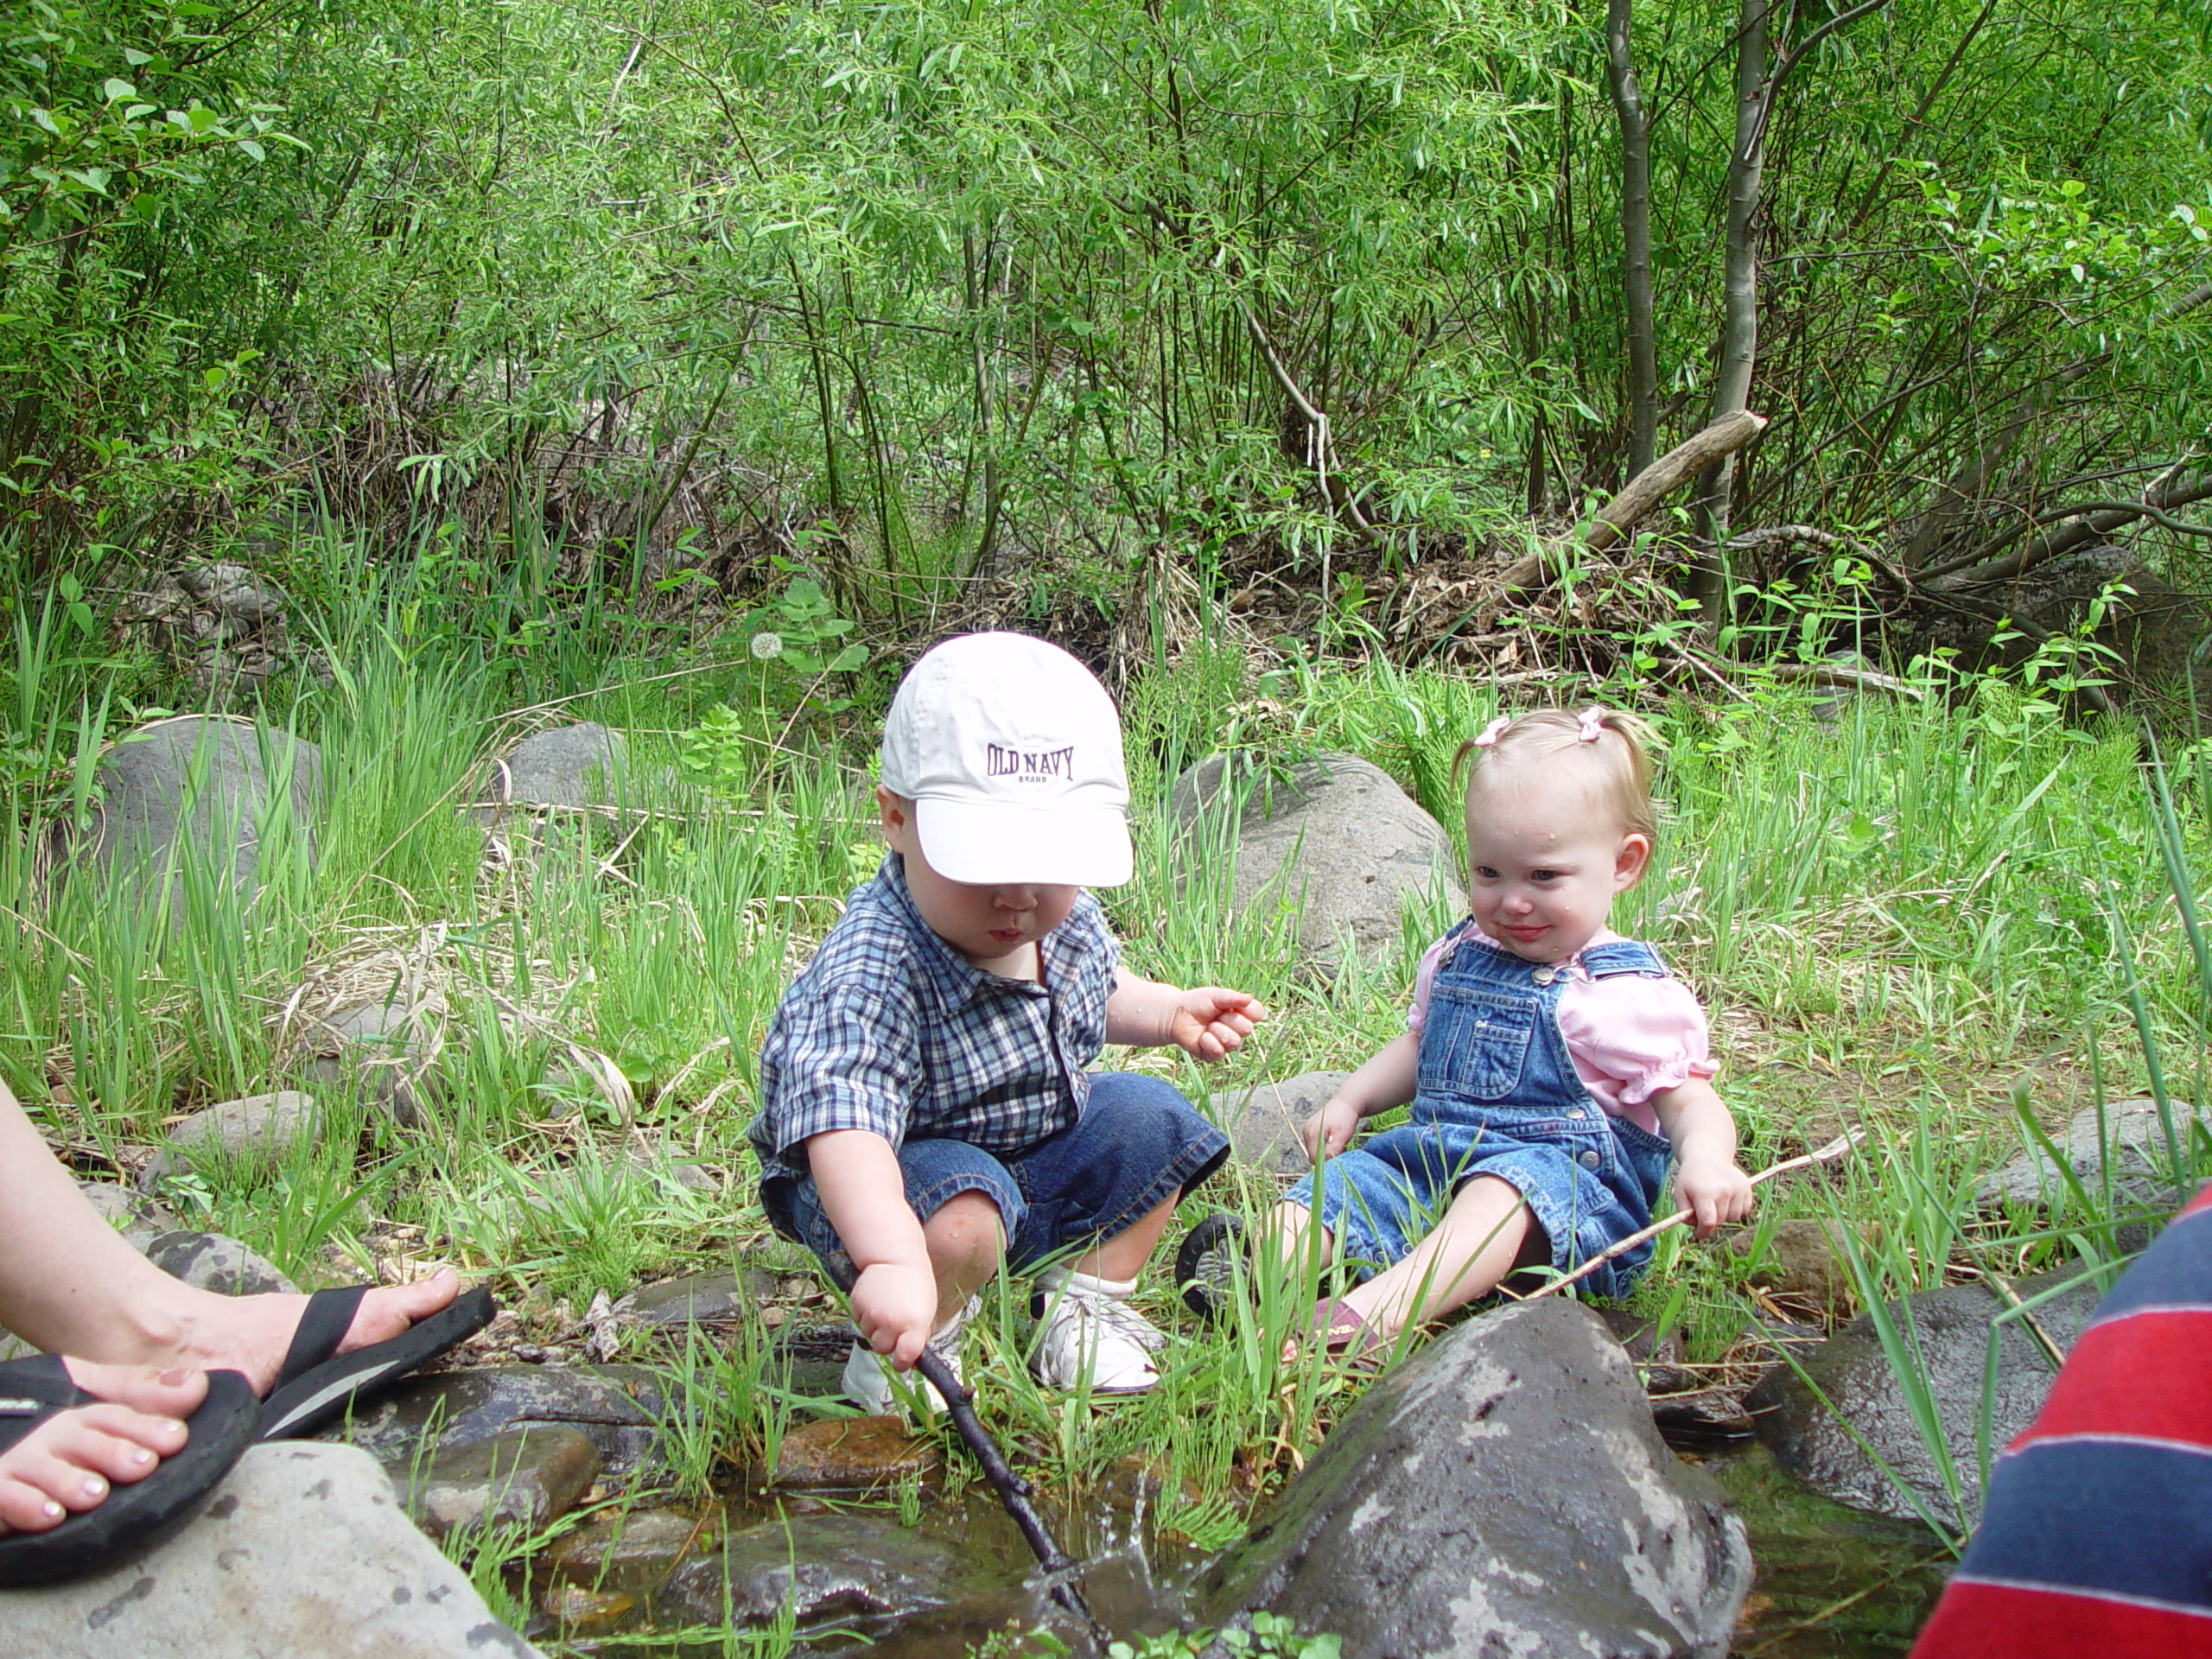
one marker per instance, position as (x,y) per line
(1950,1329)
(1504,1493)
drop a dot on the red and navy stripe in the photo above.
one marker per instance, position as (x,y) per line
(2096,1537)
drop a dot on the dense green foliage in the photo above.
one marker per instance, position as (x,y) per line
(968,277)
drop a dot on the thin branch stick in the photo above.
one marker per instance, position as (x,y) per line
(1320,444)
(1826,1155)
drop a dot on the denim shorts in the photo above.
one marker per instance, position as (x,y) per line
(1588,1183)
(1137,1141)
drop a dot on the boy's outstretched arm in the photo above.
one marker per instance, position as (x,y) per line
(1707,1181)
(1205,1023)
(894,1295)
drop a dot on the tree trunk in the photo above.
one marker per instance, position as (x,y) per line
(1739,331)
(1636,238)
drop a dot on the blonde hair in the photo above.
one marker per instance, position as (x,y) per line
(1616,764)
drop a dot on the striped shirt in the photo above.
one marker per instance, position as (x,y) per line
(2097,1536)
(890,1029)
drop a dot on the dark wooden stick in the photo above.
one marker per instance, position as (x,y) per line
(1013,1490)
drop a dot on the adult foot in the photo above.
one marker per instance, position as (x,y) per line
(68,1464)
(251,1334)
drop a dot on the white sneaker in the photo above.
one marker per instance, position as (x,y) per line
(1089,1330)
(868,1377)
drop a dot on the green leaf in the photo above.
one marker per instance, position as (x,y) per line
(115,89)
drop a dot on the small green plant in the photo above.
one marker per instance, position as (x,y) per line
(1271,1635)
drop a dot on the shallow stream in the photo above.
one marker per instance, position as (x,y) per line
(927,1572)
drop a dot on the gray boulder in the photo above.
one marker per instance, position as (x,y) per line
(1337,841)
(137,1218)
(2130,1146)
(1950,1328)
(1503,1493)
(255,1131)
(582,765)
(303,1551)
(205,787)
(217,1262)
(385,1052)
(1262,1122)
(616,1408)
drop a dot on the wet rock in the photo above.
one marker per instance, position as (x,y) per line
(582,1611)
(1951,1328)
(811,1359)
(1804,1259)
(631,1553)
(257,1131)
(526,1477)
(829,1567)
(717,1299)
(616,1408)
(386,1050)
(841,1453)
(1262,1122)
(2129,1145)
(205,788)
(581,765)
(1337,841)
(1502,1492)
(1657,1355)
(303,1551)
(137,1218)
(212,1262)
(692,1177)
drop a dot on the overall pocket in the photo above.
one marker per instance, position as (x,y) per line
(1474,1042)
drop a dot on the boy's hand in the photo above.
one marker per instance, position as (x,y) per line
(1713,1190)
(1330,1128)
(1209,1022)
(895,1304)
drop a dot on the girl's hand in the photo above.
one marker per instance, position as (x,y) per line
(1713,1190)
(1331,1129)
(895,1304)
(1208,1023)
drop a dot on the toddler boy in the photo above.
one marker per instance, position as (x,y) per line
(925,1110)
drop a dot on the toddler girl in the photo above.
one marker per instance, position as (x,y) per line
(1552,1066)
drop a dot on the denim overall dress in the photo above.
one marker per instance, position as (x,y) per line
(1496,1093)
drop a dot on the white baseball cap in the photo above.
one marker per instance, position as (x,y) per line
(1011,752)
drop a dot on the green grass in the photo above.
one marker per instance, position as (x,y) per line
(1909,919)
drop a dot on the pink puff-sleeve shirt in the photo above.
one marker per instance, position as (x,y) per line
(1630,1037)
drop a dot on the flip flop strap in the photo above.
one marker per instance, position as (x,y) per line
(32,1390)
(328,1317)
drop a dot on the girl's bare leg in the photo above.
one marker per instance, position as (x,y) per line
(1485,1234)
(70,1284)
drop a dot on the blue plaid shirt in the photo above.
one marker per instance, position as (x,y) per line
(891,1029)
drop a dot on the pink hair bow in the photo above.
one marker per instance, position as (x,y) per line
(1489,732)
(1592,726)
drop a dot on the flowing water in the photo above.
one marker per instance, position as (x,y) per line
(1832,1583)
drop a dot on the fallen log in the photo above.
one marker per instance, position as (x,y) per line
(1619,517)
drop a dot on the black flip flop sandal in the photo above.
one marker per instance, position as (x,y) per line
(318,1382)
(1207,1265)
(133,1515)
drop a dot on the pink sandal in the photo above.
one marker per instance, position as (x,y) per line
(1344,1334)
